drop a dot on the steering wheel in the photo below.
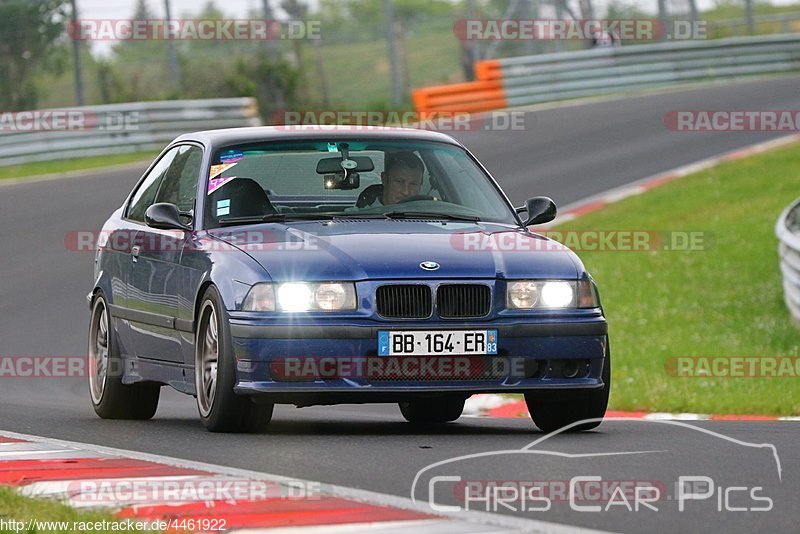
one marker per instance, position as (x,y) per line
(414,198)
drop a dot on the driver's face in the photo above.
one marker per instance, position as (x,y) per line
(400,183)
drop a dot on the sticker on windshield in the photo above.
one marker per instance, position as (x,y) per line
(216,183)
(216,170)
(223,207)
(232,156)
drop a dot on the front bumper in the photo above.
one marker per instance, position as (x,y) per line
(324,358)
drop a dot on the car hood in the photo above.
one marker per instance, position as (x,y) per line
(370,249)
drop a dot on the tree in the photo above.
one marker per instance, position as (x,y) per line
(142,11)
(28,30)
(271,81)
(297,11)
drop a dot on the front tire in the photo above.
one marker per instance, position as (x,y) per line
(434,410)
(111,399)
(221,410)
(551,412)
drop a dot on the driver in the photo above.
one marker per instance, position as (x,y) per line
(401,178)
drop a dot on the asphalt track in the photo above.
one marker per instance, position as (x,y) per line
(568,153)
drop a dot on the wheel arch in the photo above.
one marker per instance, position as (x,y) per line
(104,285)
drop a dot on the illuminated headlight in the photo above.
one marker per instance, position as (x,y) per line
(558,294)
(301,296)
(294,297)
(551,294)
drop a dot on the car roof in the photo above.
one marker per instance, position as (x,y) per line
(229,136)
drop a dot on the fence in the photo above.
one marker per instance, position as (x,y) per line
(116,128)
(762,24)
(526,80)
(788,231)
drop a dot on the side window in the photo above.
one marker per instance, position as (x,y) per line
(146,193)
(179,185)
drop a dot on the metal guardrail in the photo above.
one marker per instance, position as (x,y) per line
(120,128)
(526,80)
(788,231)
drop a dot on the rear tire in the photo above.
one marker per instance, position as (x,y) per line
(111,399)
(433,410)
(222,410)
(551,412)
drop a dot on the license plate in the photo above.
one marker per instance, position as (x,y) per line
(433,342)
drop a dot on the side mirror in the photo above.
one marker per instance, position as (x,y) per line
(164,216)
(540,210)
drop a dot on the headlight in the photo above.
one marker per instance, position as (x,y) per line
(523,295)
(301,296)
(294,297)
(335,296)
(558,294)
(551,294)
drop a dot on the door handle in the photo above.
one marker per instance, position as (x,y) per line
(135,253)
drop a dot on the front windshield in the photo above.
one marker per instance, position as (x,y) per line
(349,178)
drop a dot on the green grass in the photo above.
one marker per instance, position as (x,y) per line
(77,164)
(723,301)
(18,508)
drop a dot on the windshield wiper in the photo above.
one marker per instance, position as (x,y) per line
(430,215)
(276,217)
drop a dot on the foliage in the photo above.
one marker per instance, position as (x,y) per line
(28,29)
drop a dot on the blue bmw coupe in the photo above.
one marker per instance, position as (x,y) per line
(307,266)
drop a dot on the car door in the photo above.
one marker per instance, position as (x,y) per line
(179,187)
(154,282)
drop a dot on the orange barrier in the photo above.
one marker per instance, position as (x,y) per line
(488,69)
(482,95)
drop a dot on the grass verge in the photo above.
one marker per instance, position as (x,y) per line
(38,515)
(725,300)
(39,168)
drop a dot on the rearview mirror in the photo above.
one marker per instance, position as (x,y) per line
(540,210)
(164,216)
(339,165)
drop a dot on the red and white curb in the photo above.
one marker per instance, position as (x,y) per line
(597,202)
(122,482)
(506,406)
